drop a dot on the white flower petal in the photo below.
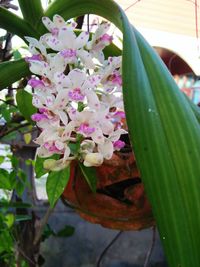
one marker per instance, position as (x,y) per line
(77,78)
(81,40)
(106,149)
(58,21)
(63,116)
(67,37)
(86,58)
(53,42)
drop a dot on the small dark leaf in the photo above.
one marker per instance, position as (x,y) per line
(90,176)
(21,218)
(4,180)
(48,231)
(66,231)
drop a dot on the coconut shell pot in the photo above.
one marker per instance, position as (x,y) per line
(120,201)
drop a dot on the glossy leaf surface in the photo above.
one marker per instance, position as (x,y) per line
(56,182)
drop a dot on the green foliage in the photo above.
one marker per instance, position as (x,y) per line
(12,71)
(24,102)
(56,182)
(39,168)
(163,127)
(90,176)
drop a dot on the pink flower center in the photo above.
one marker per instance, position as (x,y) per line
(76,94)
(68,53)
(55,31)
(86,129)
(117,79)
(35,83)
(37,57)
(38,117)
(118,144)
(51,147)
(106,38)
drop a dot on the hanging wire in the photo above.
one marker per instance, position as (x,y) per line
(132,5)
(149,253)
(196,24)
(107,248)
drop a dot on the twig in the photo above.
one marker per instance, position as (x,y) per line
(41,225)
(107,247)
(148,256)
(6,102)
(4,133)
(24,255)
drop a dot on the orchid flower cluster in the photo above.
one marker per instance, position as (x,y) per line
(78,94)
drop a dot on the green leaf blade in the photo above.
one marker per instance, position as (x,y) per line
(56,183)
(14,24)
(90,176)
(24,102)
(32,11)
(12,71)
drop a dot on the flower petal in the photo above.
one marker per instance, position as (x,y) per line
(81,40)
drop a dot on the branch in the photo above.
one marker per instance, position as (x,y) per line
(6,132)
(41,225)
(8,103)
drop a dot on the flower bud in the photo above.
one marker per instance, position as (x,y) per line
(93,159)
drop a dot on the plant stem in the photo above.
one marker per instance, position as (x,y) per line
(41,224)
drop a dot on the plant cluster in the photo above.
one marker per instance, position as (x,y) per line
(78,94)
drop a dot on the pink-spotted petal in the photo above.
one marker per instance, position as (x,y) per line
(86,58)
(53,42)
(48,23)
(67,37)
(97,136)
(77,78)
(93,100)
(81,40)
(58,21)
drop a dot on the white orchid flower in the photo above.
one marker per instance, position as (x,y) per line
(47,69)
(63,39)
(99,41)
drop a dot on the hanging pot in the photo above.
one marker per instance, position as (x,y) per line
(120,201)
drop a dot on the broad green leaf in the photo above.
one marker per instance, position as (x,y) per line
(14,24)
(4,180)
(164,133)
(5,112)
(32,11)
(6,242)
(24,102)
(66,231)
(56,183)
(90,176)
(12,71)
